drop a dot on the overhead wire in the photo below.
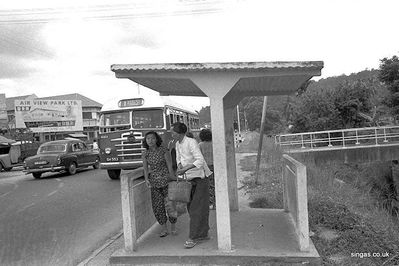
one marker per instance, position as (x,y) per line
(107,12)
(8,39)
(97,12)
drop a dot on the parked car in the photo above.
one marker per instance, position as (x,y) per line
(61,155)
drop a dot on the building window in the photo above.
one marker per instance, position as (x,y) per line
(87,115)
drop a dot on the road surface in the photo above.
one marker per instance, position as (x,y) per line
(58,219)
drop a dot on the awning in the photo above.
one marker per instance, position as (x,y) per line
(77,135)
(4,140)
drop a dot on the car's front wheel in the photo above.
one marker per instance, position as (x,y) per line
(37,175)
(72,168)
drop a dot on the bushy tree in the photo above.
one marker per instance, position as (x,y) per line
(251,109)
(314,111)
(389,75)
(205,115)
(327,109)
(350,99)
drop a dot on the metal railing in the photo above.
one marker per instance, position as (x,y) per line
(339,139)
(90,122)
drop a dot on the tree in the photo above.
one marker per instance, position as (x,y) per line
(251,110)
(350,99)
(314,111)
(205,115)
(326,109)
(389,75)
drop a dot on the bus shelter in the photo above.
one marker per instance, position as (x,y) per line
(226,84)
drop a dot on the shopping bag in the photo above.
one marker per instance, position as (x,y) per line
(179,190)
(175,208)
(181,208)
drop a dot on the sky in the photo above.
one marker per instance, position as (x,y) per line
(54,47)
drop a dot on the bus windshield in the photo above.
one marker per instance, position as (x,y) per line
(112,119)
(148,119)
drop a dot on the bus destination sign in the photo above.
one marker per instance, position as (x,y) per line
(131,102)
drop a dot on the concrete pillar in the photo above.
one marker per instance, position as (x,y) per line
(216,87)
(221,174)
(231,158)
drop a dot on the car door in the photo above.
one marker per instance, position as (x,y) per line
(88,155)
(77,152)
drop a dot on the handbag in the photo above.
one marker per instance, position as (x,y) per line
(175,208)
(180,190)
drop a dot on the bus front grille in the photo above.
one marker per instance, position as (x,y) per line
(128,149)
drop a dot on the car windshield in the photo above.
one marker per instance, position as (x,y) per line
(52,148)
(147,119)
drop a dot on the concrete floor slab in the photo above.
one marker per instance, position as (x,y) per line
(259,237)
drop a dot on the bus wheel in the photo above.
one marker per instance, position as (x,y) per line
(114,174)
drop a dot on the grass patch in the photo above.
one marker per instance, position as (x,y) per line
(354,210)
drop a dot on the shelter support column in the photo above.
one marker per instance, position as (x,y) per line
(216,87)
(221,174)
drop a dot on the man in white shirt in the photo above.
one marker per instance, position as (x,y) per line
(95,145)
(191,163)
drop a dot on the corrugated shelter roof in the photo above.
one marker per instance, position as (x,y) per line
(254,78)
(86,102)
(229,66)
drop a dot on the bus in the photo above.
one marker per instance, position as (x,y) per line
(124,122)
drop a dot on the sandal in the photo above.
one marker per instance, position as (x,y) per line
(190,243)
(174,232)
(163,234)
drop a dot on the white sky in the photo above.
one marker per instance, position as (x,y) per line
(70,52)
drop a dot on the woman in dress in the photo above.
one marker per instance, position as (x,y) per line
(157,164)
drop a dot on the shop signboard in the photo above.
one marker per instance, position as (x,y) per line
(49,115)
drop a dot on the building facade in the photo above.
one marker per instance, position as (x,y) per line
(88,120)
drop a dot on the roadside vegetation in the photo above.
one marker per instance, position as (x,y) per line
(353,211)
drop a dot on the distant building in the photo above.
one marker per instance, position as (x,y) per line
(90,115)
(11,107)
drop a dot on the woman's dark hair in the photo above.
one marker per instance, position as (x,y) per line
(158,138)
(190,135)
(179,128)
(205,135)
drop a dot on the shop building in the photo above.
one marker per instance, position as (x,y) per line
(54,117)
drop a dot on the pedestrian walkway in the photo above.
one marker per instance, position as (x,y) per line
(256,240)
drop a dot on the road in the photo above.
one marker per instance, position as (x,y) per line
(58,219)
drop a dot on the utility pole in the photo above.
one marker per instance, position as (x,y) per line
(262,128)
(238,122)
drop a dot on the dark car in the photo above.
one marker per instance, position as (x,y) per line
(61,155)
